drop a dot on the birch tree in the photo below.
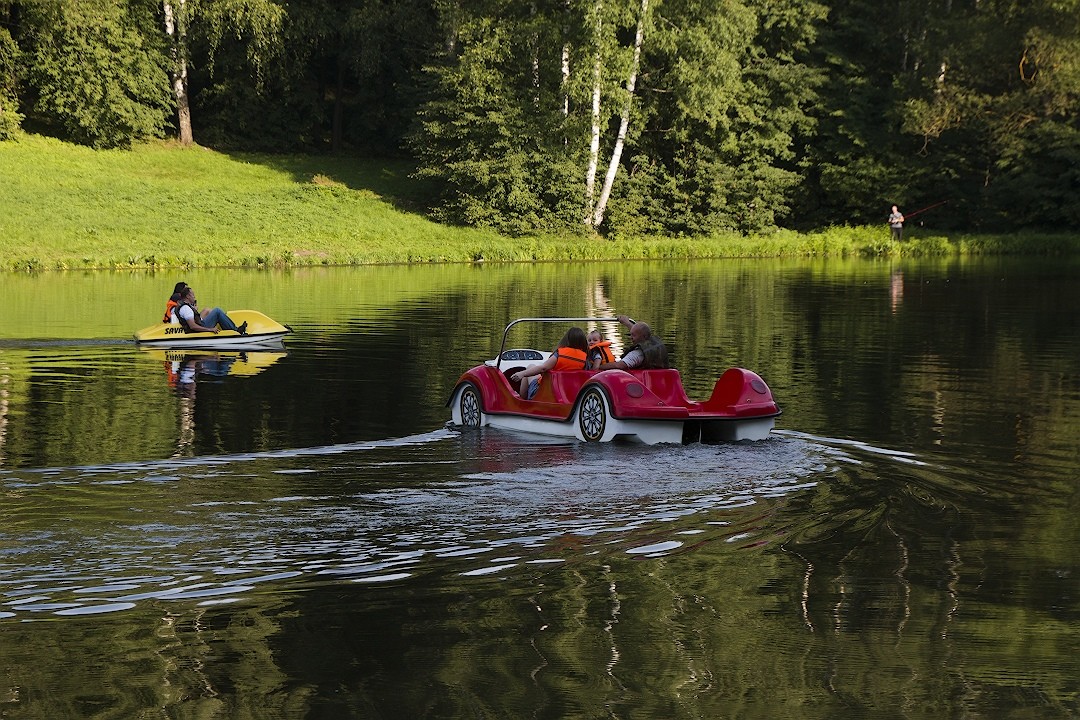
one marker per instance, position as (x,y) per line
(176,30)
(597,209)
(256,23)
(594,125)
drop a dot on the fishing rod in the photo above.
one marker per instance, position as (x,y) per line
(928,207)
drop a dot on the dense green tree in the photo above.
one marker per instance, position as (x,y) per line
(684,96)
(97,70)
(253,25)
(850,156)
(1034,128)
(726,93)
(345,79)
(493,130)
(10,117)
(929,100)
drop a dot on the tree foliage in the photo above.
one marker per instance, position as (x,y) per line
(10,117)
(98,74)
(627,117)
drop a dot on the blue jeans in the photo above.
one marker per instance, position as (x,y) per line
(217,316)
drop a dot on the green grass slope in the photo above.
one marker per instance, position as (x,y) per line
(64,206)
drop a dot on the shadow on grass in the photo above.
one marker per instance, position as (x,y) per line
(389,179)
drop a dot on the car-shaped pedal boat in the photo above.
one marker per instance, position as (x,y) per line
(262,333)
(646,406)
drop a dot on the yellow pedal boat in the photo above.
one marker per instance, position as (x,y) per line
(262,333)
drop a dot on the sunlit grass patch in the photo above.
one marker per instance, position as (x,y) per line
(161,205)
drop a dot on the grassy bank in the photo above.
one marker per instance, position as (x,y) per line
(160,205)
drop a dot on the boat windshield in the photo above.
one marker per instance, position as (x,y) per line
(502,347)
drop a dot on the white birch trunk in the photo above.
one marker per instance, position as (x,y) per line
(616,153)
(594,142)
(565,65)
(174,28)
(535,61)
(566,80)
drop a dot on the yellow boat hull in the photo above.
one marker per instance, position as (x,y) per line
(262,332)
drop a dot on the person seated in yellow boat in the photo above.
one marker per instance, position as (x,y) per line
(599,350)
(646,352)
(571,354)
(173,301)
(187,314)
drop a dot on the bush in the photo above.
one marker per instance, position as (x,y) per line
(10,119)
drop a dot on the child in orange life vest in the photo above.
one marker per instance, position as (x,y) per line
(599,350)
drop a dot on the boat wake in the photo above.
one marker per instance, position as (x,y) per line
(475,504)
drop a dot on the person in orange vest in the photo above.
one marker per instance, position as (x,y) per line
(571,354)
(174,301)
(599,350)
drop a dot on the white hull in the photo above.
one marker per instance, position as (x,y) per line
(647,432)
(209,341)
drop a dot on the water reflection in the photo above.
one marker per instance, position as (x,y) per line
(184,368)
(896,289)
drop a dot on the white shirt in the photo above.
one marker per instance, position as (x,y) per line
(634,358)
(186,313)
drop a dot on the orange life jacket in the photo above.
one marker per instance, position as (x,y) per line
(567,358)
(603,350)
(570,359)
(168,310)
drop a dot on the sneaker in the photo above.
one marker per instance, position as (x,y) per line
(242,329)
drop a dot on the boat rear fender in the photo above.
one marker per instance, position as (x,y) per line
(741,392)
(631,396)
(666,385)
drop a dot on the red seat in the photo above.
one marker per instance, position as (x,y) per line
(666,385)
(563,386)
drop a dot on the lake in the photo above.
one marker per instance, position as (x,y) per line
(300,534)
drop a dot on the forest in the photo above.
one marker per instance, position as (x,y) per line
(619,117)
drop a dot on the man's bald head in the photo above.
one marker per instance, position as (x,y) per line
(640,332)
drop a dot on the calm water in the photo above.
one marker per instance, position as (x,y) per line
(299,534)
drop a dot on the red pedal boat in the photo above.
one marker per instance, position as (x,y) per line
(647,406)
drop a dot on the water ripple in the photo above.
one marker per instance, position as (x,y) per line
(78,541)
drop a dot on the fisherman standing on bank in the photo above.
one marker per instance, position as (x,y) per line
(896,222)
